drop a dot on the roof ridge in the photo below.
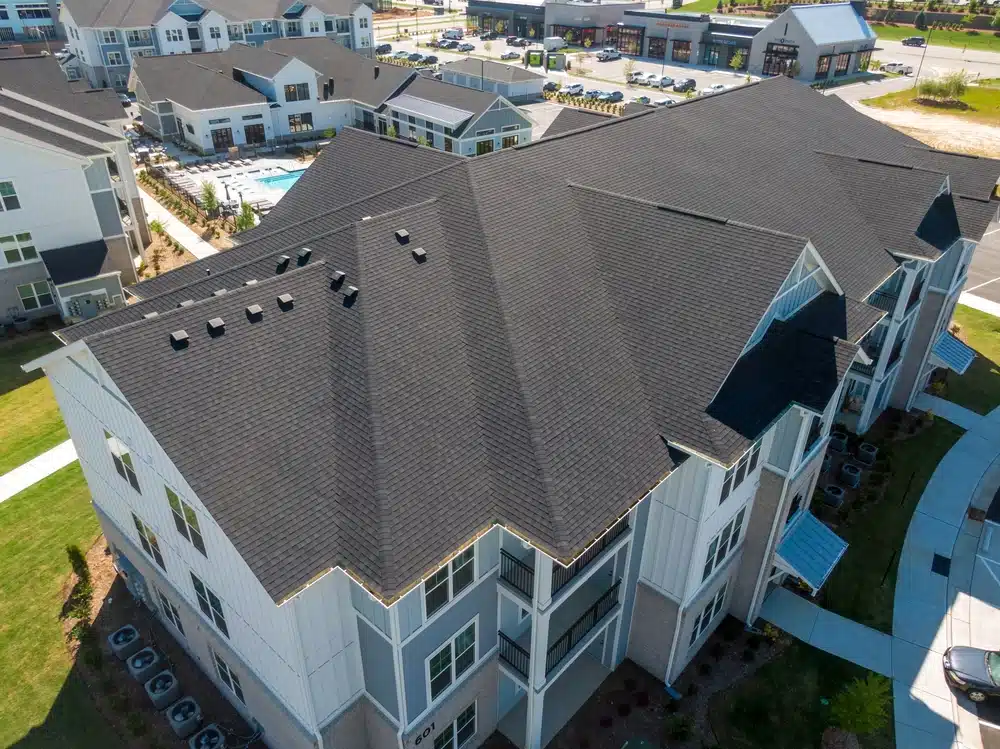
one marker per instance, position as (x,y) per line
(880,162)
(942,151)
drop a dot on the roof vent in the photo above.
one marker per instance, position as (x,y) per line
(351,292)
(179,339)
(402,236)
(186,303)
(304,254)
(329,86)
(285,302)
(251,282)
(419,255)
(366,218)
(282,263)
(216,327)
(218,292)
(208,271)
(255,313)
(375,72)
(337,279)
(150,315)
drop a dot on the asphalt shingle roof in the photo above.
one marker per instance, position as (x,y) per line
(493,71)
(44,135)
(39,77)
(570,118)
(195,81)
(124,14)
(47,117)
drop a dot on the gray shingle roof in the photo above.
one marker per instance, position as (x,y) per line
(44,135)
(570,118)
(493,71)
(39,77)
(832,316)
(449,94)
(195,81)
(47,117)
(122,14)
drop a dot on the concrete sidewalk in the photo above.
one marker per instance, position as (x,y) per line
(956,414)
(979,303)
(176,228)
(36,469)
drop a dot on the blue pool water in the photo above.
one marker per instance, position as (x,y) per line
(282,182)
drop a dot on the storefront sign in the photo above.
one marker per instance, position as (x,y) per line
(673,25)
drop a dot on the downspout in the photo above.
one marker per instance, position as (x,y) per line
(673,652)
(310,708)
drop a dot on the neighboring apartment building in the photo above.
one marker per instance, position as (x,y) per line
(298,88)
(410,476)
(25,21)
(105,38)
(71,224)
(513,82)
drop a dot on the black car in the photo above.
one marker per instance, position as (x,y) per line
(430,60)
(550,86)
(684,84)
(914,41)
(973,671)
(487,36)
(383,49)
(511,41)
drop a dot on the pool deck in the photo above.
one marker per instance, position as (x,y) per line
(233,182)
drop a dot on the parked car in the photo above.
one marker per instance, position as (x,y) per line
(662,102)
(521,42)
(651,79)
(453,34)
(447,44)
(123,98)
(713,89)
(639,100)
(510,55)
(415,57)
(401,55)
(466,47)
(487,36)
(609,53)
(550,86)
(973,671)
(430,60)
(666,81)
(511,41)
(611,96)
(684,84)
(383,49)
(896,67)
(592,93)
(434,43)
(573,89)
(914,41)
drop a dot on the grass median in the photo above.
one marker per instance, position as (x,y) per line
(963,39)
(978,104)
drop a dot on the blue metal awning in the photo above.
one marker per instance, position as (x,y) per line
(950,352)
(809,550)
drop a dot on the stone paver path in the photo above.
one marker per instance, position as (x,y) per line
(176,228)
(36,469)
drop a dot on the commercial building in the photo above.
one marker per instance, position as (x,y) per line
(429,456)
(25,21)
(513,82)
(292,89)
(71,224)
(105,38)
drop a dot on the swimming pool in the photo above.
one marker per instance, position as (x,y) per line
(282,182)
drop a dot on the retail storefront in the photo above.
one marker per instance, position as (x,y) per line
(524,19)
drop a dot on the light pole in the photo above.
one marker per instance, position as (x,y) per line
(923,54)
(666,44)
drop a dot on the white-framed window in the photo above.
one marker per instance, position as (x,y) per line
(723,544)
(17,248)
(169,611)
(149,542)
(186,520)
(708,614)
(459,732)
(143,53)
(8,196)
(509,128)
(214,32)
(343,25)
(234,30)
(449,581)
(314,27)
(740,470)
(109,36)
(210,604)
(489,131)
(446,666)
(138,37)
(35,295)
(363,22)
(248,27)
(293,28)
(121,80)
(175,35)
(72,74)
(267,27)
(364,41)
(123,460)
(115,58)
(228,677)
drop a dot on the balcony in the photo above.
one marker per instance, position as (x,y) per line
(139,40)
(914,296)
(561,576)
(897,351)
(867,370)
(582,626)
(884,300)
(514,655)
(517,574)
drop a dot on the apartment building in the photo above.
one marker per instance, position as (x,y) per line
(71,224)
(29,21)
(411,477)
(299,88)
(105,38)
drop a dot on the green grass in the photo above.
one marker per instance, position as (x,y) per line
(982,104)
(781,705)
(978,40)
(707,6)
(979,388)
(30,422)
(43,704)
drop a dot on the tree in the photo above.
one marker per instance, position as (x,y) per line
(421,141)
(718,7)
(156,226)
(245,218)
(968,19)
(921,20)
(794,68)
(209,200)
(487,46)
(736,61)
(568,37)
(628,69)
(588,43)
(391,132)
(863,705)
(995,23)
(766,5)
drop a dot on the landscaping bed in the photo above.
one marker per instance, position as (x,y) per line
(215,231)
(163,254)
(977,104)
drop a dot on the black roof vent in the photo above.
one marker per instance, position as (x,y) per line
(150,315)
(402,236)
(208,271)
(375,72)
(218,292)
(337,279)
(285,302)
(255,313)
(304,254)
(186,303)
(179,339)
(419,255)
(251,282)
(216,327)
(282,263)
(351,292)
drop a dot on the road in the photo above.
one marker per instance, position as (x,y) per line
(984,276)
(941,60)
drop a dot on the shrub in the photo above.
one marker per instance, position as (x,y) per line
(863,705)
(921,20)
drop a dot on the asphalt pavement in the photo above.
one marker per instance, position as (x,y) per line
(984,273)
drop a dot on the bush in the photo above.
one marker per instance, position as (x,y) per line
(921,20)
(863,705)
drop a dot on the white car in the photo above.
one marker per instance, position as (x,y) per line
(653,79)
(609,53)
(713,89)
(896,67)
(637,76)
(573,89)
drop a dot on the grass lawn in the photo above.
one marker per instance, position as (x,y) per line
(43,705)
(707,6)
(780,706)
(980,40)
(982,104)
(979,388)
(30,422)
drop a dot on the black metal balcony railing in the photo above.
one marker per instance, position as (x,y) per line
(514,655)
(562,575)
(815,434)
(517,574)
(897,351)
(884,300)
(914,296)
(581,627)
(868,370)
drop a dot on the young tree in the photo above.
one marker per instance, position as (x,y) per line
(421,141)
(863,705)
(921,20)
(968,19)
(245,218)
(718,7)
(156,226)
(209,200)
(568,37)
(736,61)
(995,23)
(391,132)
(794,68)
(487,46)
(588,43)
(628,69)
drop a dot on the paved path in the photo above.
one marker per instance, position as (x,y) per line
(176,228)
(979,303)
(956,414)
(36,469)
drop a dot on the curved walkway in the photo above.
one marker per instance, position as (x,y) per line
(36,469)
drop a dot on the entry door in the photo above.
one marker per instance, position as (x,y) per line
(254,134)
(222,139)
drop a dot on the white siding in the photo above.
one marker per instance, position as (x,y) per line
(172,21)
(207,21)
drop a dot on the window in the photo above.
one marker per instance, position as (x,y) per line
(214,32)
(448,145)
(120,80)
(681,51)
(448,664)
(823,67)
(210,604)
(314,27)
(267,27)
(778,58)
(293,28)
(723,544)
(363,23)
(864,60)
(300,123)
(17,248)
(328,24)
(490,131)
(449,581)
(35,295)
(411,119)
(343,25)
(484,147)
(109,37)
(138,38)
(364,41)
(708,614)
(234,30)
(4,16)
(8,196)
(175,35)
(186,521)
(843,63)
(253,117)
(248,27)
(297,92)
(220,121)
(123,460)
(229,677)
(194,33)
(115,58)
(509,141)
(169,611)
(188,127)
(740,470)
(509,128)
(150,544)
(456,734)
(33,11)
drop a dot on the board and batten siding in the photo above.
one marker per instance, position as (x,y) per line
(640,521)
(379,668)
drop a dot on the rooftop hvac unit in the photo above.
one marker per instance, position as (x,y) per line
(184,716)
(144,664)
(163,689)
(125,642)
(209,737)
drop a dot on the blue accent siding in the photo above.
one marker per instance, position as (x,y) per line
(263,85)
(482,600)
(638,539)
(107,49)
(411,612)
(257,37)
(378,667)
